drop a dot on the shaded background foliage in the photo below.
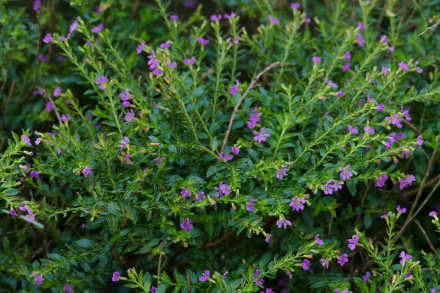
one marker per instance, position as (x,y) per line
(225,238)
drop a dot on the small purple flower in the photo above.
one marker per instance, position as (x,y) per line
(257,272)
(385,70)
(338,185)
(328,187)
(190,61)
(406,181)
(36,6)
(366,276)
(235,150)
(352,129)
(68,287)
(185,192)
(26,139)
(324,262)
(340,94)
(306,264)
(125,96)
(47,38)
(12,212)
(402,210)
(159,160)
(319,241)
(284,222)
(200,195)
(405,257)
(65,117)
(395,120)
(260,136)
(73,27)
(226,156)
(380,107)
(115,277)
(165,45)
(282,172)
(30,216)
(232,15)
(384,39)
(345,173)
(353,242)
(203,41)
(35,174)
(419,140)
(385,215)
(187,224)
(405,113)
(404,66)
(97,29)
(316,59)
(360,39)
(346,67)
(274,20)
(153,289)
(250,205)
(56,92)
(234,89)
(295,6)
(342,260)
(216,17)
(49,106)
(102,81)
(140,47)
(369,129)
(87,171)
(204,276)
(347,56)
(172,65)
(268,236)
(63,38)
(255,117)
(129,116)
(38,279)
(222,190)
(361,26)
(331,83)
(124,142)
(297,203)
(173,17)
(380,181)
(431,214)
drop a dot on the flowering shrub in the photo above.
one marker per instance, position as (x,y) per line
(232,152)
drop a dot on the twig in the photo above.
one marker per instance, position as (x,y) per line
(46,248)
(251,86)
(427,184)
(427,239)
(189,283)
(158,269)
(35,223)
(37,63)
(211,244)
(411,126)
(50,99)
(11,90)
(433,26)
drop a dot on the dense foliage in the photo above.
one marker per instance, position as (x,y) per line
(235,146)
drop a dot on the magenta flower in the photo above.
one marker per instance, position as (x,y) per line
(26,139)
(232,15)
(159,160)
(395,120)
(331,83)
(153,62)
(125,97)
(352,129)
(406,181)
(346,67)
(324,262)
(360,39)
(284,222)
(353,242)
(347,56)
(250,205)
(260,136)
(235,150)
(319,241)
(115,277)
(203,41)
(297,203)
(431,214)
(102,81)
(185,192)
(153,289)
(30,216)
(338,185)
(129,116)
(124,142)
(204,276)
(369,129)
(306,264)
(222,190)
(36,6)
(56,92)
(73,26)
(165,45)
(140,47)
(345,173)
(63,38)
(190,61)
(172,65)
(200,195)
(380,181)
(405,257)
(274,20)
(342,260)
(385,70)
(328,187)
(255,117)
(38,279)
(65,117)
(216,17)
(316,59)
(12,212)
(97,29)
(380,107)
(173,17)
(361,26)
(366,276)
(405,113)
(268,236)
(234,89)
(157,71)
(47,38)
(34,174)
(282,172)
(404,66)
(87,171)
(187,224)
(68,287)
(339,291)
(307,20)
(419,140)
(384,39)
(402,210)
(226,156)
(295,6)
(340,94)
(259,281)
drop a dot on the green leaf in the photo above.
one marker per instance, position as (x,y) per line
(361,284)
(162,288)
(85,243)
(209,228)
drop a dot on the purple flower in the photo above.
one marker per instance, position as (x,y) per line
(129,116)
(235,150)
(319,241)
(353,242)
(402,210)
(404,66)
(13,212)
(419,140)
(360,39)
(216,17)
(385,70)
(297,203)
(234,89)
(431,214)
(68,287)
(366,276)
(328,187)
(257,272)
(172,65)
(339,291)
(306,264)
(282,172)
(190,61)
(307,20)
(226,156)
(419,70)
(73,27)
(331,83)
(385,215)
(274,20)
(173,17)
(342,260)
(38,279)
(250,205)
(56,92)
(140,47)
(338,185)
(204,276)
(255,117)
(185,192)
(352,129)
(153,62)
(26,139)
(47,38)
(187,224)
(361,26)
(380,107)
(268,236)
(153,289)
(406,181)
(395,120)
(63,38)
(405,257)
(65,117)
(316,59)
(159,160)
(203,41)
(102,81)
(124,142)
(37,5)
(260,136)
(35,174)
(347,56)
(222,190)
(295,6)
(232,15)
(384,39)
(115,277)
(345,174)
(405,113)
(340,94)
(324,262)
(125,97)
(165,45)
(97,29)
(346,67)
(380,181)
(87,171)
(200,195)
(284,222)
(30,216)
(369,129)
(157,71)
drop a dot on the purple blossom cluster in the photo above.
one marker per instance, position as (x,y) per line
(254,118)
